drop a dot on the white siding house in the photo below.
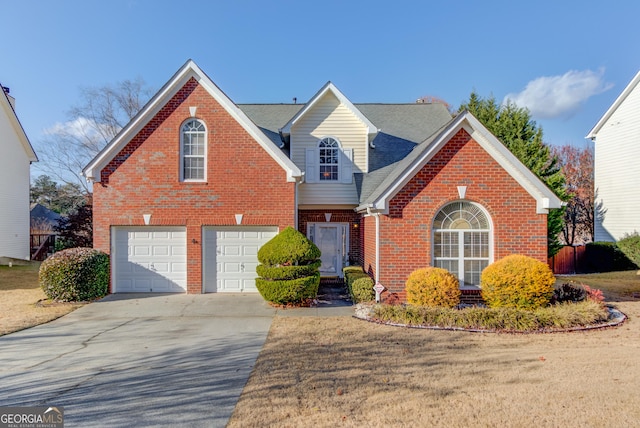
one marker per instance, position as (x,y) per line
(15,160)
(617,166)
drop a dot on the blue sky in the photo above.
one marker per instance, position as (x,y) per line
(566,61)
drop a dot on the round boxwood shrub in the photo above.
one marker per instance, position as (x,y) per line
(288,268)
(288,248)
(288,291)
(287,272)
(432,286)
(517,281)
(75,274)
(361,290)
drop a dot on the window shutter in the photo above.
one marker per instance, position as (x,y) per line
(311,171)
(346,166)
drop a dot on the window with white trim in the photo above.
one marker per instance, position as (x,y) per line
(193,136)
(461,241)
(329,159)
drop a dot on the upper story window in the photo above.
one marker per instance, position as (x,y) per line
(193,146)
(329,159)
(329,162)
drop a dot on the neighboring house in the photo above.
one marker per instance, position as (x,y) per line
(43,220)
(190,189)
(15,162)
(616,171)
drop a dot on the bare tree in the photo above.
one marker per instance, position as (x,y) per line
(577,165)
(102,112)
(432,99)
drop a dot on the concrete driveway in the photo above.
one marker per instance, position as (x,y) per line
(139,360)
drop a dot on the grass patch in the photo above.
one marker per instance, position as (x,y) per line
(23,304)
(616,286)
(563,316)
(342,372)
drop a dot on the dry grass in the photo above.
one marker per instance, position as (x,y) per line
(617,286)
(332,372)
(23,304)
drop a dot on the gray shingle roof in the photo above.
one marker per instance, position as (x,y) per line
(401,128)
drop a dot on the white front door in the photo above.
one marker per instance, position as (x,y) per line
(331,239)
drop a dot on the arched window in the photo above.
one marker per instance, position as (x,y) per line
(193,136)
(462,241)
(329,159)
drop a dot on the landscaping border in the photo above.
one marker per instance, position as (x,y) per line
(616,318)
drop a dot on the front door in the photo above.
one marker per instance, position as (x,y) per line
(331,240)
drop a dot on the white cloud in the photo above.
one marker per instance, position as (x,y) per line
(78,127)
(559,96)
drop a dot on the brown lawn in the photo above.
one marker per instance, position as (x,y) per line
(332,372)
(335,372)
(22,302)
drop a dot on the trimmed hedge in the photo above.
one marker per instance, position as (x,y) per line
(289,291)
(289,268)
(602,256)
(517,281)
(630,247)
(287,272)
(361,290)
(75,274)
(358,293)
(433,286)
(288,248)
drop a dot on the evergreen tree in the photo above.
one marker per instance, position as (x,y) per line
(513,126)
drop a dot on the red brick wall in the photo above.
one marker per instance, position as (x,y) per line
(369,245)
(405,239)
(144,178)
(337,216)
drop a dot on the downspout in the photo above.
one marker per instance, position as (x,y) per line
(295,201)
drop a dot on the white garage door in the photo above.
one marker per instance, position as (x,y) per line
(231,257)
(149,259)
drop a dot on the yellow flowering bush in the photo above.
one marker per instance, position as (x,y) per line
(432,286)
(517,281)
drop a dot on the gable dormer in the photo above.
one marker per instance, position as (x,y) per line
(329,138)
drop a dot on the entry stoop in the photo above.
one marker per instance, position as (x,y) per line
(471,297)
(333,290)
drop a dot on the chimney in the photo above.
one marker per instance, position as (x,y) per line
(12,100)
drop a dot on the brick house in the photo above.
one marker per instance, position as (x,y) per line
(189,190)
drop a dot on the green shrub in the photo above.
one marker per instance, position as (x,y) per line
(288,248)
(352,277)
(630,246)
(289,291)
(287,272)
(75,274)
(361,290)
(432,286)
(289,268)
(606,257)
(517,281)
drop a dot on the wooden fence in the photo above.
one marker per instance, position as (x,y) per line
(569,260)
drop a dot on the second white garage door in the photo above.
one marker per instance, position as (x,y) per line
(231,257)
